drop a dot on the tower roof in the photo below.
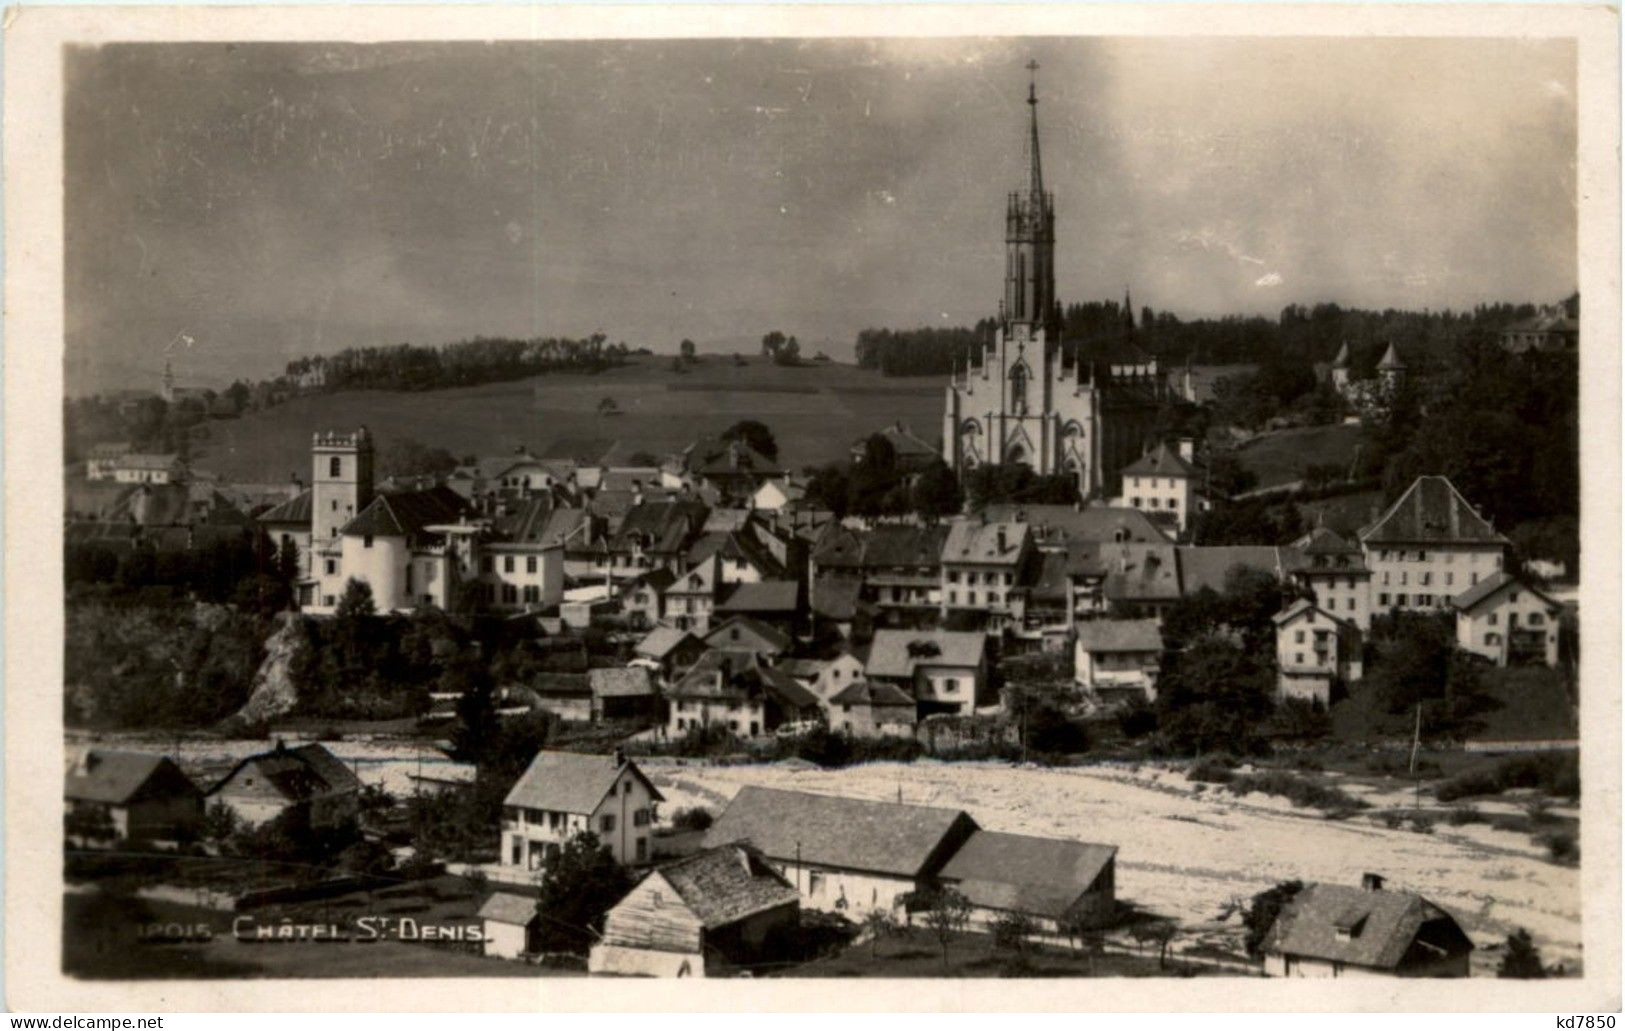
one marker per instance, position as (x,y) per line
(1391,359)
(1037,175)
(1342,359)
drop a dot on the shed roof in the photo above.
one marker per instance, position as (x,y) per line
(621,682)
(827,830)
(569,782)
(1368,928)
(504,907)
(728,883)
(1021,873)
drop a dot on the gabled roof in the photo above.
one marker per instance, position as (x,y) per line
(620,682)
(1211,565)
(726,884)
(741,676)
(1378,926)
(1482,591)
(541,521)
(1391,359)
(736,629)
(1431,511)
(896,653)
(1097,524)
(299,773)
(905,445)
(849,833)
(1304,607)
(295,510)
(727,458)
(406,513)
(660,526)
(568,782)
(1140,572)
(866,692)
(776,596)
(662,641)
(1120,635)
(1020,873)
(882,546)
(115,777)
(836,598)
(976,542)
(1164,461)
(504,907)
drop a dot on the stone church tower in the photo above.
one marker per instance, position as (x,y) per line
(1084,408)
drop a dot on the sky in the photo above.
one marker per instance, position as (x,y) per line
(268,201)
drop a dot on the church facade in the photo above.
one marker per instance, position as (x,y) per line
(1084,408)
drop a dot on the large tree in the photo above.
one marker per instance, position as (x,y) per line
(579,885)
(755,434)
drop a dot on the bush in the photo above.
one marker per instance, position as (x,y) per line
(1136,720)
(1556,773)
(1562,846)
(1299,790)
(1212,769)
(694,818)
(1462,815)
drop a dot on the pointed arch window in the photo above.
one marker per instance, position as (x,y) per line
(1018,390)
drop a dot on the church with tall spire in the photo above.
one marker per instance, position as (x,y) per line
(1028,397)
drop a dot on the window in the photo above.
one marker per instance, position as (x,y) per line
(1298,637)
(1536,619)
(530,563)
(1449,578)
(485,563)
(333,467)
(953,576)
(335,504)
(1300,658)
(1401,599)
(507,563)
(331,566)
(1494,618)
(533,594)
(510,594)
(606,823)
(950,685)
(970,597)
(366,541)
(815,882)
(953,597)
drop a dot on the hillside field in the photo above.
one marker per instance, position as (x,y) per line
(814,411)
(1280,457)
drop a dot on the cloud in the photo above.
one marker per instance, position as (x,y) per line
(1269,279)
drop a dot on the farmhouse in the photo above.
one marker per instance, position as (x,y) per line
(1063,886)
(561,794)
(826,678)
(865,709)
(1332,930)
(844,854)
(308,780)
(1163,483)
(945,671)
(1508,622)
(899,568)
(702,916)
(130,796)
(1119,658)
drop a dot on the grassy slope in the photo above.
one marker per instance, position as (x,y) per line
(1281,457)
(815,413)
(1533,706)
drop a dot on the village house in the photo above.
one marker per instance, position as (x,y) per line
(562,794)
(732,468)
(1333,930)
(566,695)
(669,650)
(1317,654)
(1139,580)
(871,709)
(102,463)
(945,671)
(626,693)
(1552,329)
(1165,484)
(1055,527)
(1508,622)
(1063,886)
(1118,659)
(775,602)
(911,454)
(1428,548)
(744,634)
(778,495)
(707,915)
(980,563)
(509,923)
(844,855)
(138,467)
(308,781)
(826,678)
(739,691)
(130,796)
(1064,588)
(644,599)
(898,567)
(288,525)
(1333,571)
(836,603)
(651,536)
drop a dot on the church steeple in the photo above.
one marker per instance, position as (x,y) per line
(1029,264)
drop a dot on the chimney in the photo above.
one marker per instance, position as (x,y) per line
(1001,538)
(1371,882)
(1187,449)
(620,757)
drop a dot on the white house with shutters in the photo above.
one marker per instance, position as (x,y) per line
(562,794)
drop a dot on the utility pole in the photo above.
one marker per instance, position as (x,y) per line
(1416,745)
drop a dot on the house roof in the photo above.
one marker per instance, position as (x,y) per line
(1305,607)
(660,526)
(733,629)
(504,907)
(299,773)
(1120,635)
(882,546)
(1378,925)
(779,596)
(866,692)
(1210,565)
(1091,523)
(662,641)
(726,884)
(896,653)
(406,513)
(569,782)
(728,458)
(1020,873)
(114,777)
(836,597)
(1431,511)
(904,443)
(539,519)
(1164,461)
(826,830)
(1482,591)
(971,541)
(1140,572)
(743,676)
(149,462)
(621,682)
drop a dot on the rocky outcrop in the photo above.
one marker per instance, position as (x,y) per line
(273,693)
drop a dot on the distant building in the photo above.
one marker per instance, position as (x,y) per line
(623,694)
(309,780)
(1331,930)
(898,568)
(980,564)
(562,794)
(1333,570)
(1507,621)
(706,915)
(731,467)
(1119,659)
(1429,547)
(1064,887)
(134,795)
(746,634)
(740,692)
(826,678)
(102,463)
(137,467)
(669,649)
(1164,483)
(1553,329)
(867,708)
(911,453)
(1317,653)
(844,855)
(945,671)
